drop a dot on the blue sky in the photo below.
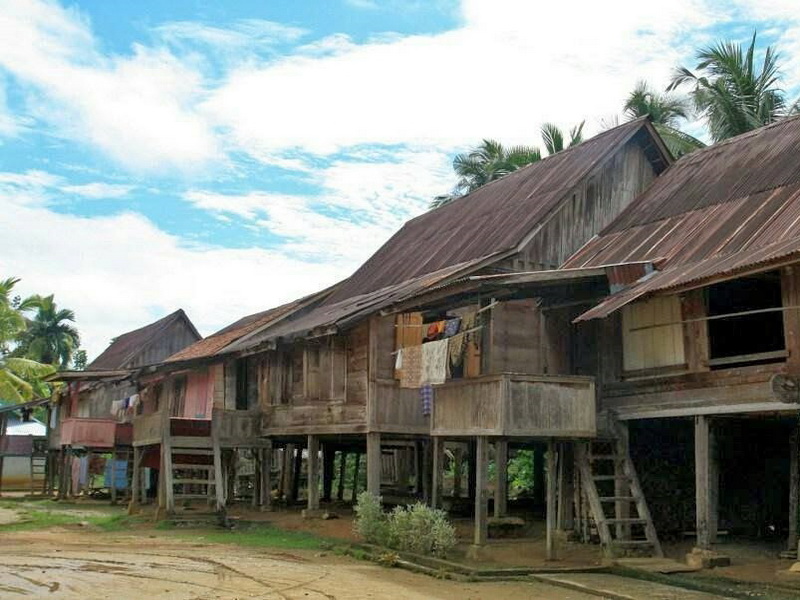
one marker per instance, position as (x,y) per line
(227,156)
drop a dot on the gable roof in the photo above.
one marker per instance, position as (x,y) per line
(493,219)
(718,211)
(124,349)
(216,343)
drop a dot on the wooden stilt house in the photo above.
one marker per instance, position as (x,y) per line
(93,412)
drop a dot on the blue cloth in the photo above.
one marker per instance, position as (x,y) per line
(451,327)
(120,474)
(426,398)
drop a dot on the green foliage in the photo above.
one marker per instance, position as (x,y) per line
(49,338)
(520,472)
(415,528)
(666,111)
(20,376)
(79,360)
(371,522)
(731,92)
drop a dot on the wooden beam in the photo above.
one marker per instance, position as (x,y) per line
(438,466)
(794,486)
(328,456)
(695,332)
(219,486)
(481,533)
(706,482)
(790,292)
(135,485)
(374,463)
(298,466)
(313,473)
(342,473)
(356,467)
(266,478)
(501,478)
(552,498)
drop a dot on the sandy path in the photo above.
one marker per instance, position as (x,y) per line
(70,566)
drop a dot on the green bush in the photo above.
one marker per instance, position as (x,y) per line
(415,528)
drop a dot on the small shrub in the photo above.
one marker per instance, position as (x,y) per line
(371,522)
(416,528)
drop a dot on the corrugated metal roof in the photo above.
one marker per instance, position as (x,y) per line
(216,342)
(343,313)
(718,211)
(494,219)
(124,348)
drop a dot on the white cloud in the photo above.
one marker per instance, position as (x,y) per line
(241,34)
(99,190)
(359,205)
(121,272)
(137,109)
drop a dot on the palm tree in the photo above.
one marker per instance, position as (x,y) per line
(49,338)
(20,378)
(731,92)
(553,137)
(665,111)
(490,161)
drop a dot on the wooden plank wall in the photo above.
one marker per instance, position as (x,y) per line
(592,205)
(653,347)
(358,364)
(514,344)
(175,338)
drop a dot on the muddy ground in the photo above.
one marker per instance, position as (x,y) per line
(79,565)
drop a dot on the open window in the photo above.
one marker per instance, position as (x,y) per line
(246,383)
(745,321)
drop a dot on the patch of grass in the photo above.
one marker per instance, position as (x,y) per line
(261,536)
(43,514)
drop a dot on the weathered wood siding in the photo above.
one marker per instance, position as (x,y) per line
(516,405)
(514,338)
(177,337)
(397,410)
(652,334)
(358,365)
(695,393)
(319,418)
(587,209)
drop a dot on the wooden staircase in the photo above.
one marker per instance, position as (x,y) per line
(193,475)
(615,497)
(38,470)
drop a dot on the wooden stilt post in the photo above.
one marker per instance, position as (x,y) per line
(458,469)
(438,465)
(356,467)
(480,477)
(622,509)
(566,487)
(501,478)
(328,456)
(313,475)
(471,449)
(705,482)
(113,477)
(374,463)
(219,484)
(551,475)
(298,467)
(265,497)
(539,494)
(342,474)
(135,485)
(419,467)
(427,472)
(794,486)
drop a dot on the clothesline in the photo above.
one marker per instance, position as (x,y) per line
(477,312)
(459,333)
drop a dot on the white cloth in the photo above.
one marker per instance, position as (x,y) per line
(134,401)
(117,407)
(398,361)
(434,362)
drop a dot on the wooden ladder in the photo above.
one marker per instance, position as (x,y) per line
(38,469)
(615,497)
(192,481)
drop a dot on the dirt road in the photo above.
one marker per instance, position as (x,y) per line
(70,565)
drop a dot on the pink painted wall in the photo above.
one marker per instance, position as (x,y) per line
(199,395)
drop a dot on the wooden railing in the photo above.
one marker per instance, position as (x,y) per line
(97,433)
(516,405)
(238,427)
(148,429)
(396,410)
(317,418)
